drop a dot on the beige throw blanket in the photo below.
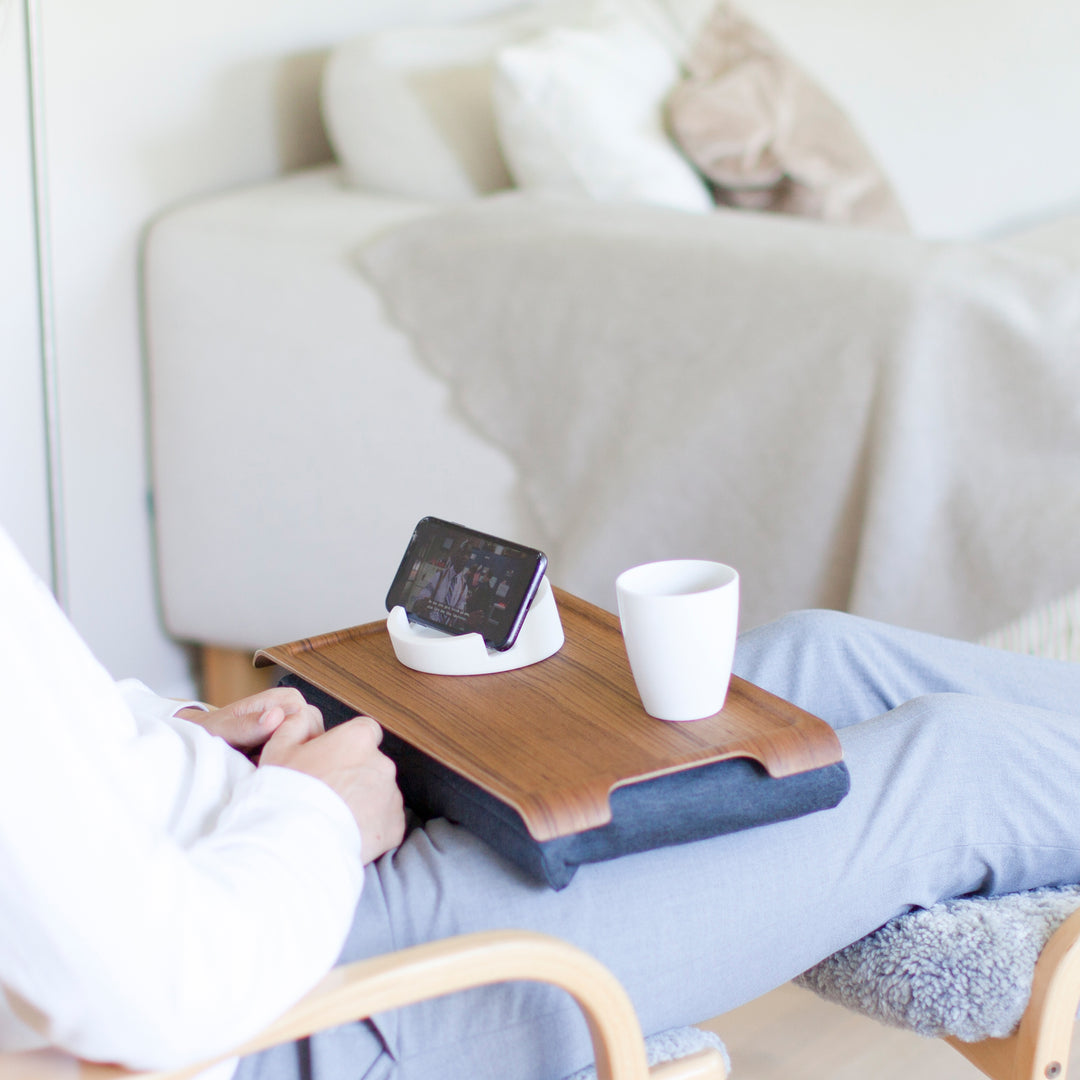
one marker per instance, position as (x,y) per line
(853,419)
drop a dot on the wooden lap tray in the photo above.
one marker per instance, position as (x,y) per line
(555,739)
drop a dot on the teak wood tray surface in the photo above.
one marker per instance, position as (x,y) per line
(553,740)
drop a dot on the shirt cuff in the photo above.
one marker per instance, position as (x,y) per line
(145,704)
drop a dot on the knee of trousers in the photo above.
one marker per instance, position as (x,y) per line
(801,645)
(819,624)
(957,720)
(795,632)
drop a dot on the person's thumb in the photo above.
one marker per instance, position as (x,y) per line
(247,724)
(292,732)
(267,720)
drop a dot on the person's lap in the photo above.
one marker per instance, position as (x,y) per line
(950,795)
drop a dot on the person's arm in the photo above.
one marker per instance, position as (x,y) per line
(161,902)
(281,726)
(122,944)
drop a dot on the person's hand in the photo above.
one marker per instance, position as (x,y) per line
(246,724)
(348,759)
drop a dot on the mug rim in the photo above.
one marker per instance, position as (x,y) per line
(676,578)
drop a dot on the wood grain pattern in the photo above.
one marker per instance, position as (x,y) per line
(555,739)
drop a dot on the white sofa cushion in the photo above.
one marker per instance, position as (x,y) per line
(579,112)
(408,109)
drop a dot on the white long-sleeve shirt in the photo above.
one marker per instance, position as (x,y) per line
(160,897)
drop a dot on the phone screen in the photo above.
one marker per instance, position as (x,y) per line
(462,581)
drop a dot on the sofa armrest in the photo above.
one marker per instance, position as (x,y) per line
(295,438)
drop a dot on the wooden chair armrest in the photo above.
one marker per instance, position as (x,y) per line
(381,983)
(1039,1048)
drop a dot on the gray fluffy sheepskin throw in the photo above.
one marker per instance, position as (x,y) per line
(963,967)
(668,1045)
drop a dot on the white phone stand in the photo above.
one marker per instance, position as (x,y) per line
(437,653)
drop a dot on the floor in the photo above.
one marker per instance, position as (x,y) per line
(791,1034)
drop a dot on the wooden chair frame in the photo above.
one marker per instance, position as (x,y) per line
(357,990)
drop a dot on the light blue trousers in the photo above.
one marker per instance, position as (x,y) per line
(965,771)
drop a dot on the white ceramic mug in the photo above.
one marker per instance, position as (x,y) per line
(679,622)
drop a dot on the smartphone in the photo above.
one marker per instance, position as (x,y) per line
(462,581)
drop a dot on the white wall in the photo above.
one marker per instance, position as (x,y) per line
(145,103)
(23,483)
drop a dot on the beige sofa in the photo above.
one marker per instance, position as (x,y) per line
(298,433)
